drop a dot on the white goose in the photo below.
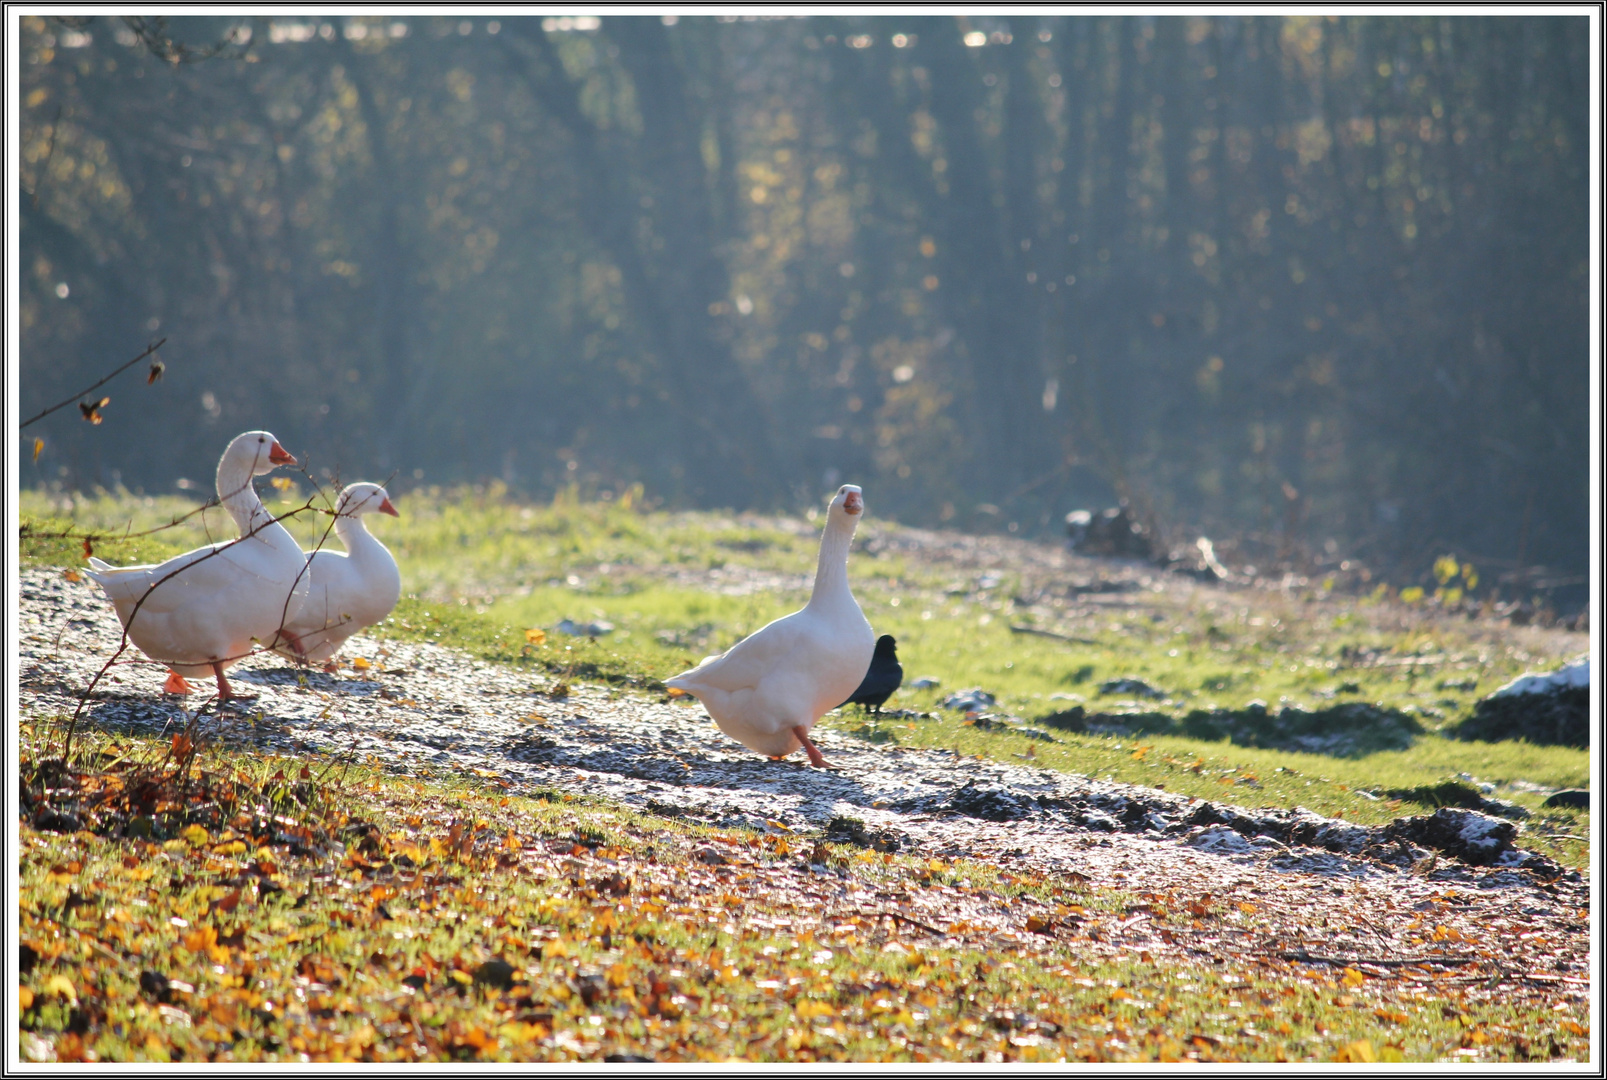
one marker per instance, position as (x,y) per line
(202,611)
(348,591)
(769,689)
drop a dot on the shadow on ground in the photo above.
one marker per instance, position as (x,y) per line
(1351,730)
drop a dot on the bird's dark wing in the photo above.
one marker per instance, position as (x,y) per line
(885,676)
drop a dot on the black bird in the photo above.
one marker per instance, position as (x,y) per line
(884,676)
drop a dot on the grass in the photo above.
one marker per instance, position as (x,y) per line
(227,907)
(269,913)
(482,571)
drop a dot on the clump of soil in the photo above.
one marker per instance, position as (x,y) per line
(1560,718)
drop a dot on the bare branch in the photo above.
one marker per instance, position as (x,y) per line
(149,349)
(152,32)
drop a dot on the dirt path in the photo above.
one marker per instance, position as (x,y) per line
(1447,893)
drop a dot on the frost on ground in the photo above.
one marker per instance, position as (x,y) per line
(1571,676)
(1544,707)
(421,707)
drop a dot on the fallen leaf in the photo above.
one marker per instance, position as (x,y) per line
(1359,1051)
(62,987)
(537,636)
(360,664)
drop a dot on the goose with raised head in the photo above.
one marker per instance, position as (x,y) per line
(349,591)
(769,689)
(201,612)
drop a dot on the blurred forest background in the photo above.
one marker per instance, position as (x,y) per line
(1315,284)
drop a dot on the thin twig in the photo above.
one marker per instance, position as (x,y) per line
(27,532)
(1308,958)
(1033,630)
(906,919)
(149,349)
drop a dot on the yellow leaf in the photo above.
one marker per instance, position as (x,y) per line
(196,835)
(24,999)
(38,448)
(73,575)
(62,987)
(360,664)
(462,976)
(1360,1050)
(1353,977)
(282,483)
(809,1009)
(1411,595)
(1248,909)
(536,636)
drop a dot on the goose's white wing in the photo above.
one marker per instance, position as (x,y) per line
(210,574)
(747,662)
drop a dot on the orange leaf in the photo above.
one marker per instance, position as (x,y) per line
(537,636)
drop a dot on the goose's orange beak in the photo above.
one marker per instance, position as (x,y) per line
(385,507)
(279,455)
(853,503)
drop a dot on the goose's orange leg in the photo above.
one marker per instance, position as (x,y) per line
(224,693)
(816,758)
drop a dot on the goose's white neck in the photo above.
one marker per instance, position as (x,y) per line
(240,499)
(354,534)
(831,569)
